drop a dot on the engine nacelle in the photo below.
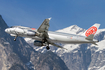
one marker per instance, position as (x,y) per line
(31,33)
(38,43)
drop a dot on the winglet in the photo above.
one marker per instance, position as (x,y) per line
(49,18)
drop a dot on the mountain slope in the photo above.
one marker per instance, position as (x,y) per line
(9,50)
(48,61)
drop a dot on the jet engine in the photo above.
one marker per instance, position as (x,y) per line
(38,43)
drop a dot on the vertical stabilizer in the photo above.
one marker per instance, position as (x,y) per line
(91,31)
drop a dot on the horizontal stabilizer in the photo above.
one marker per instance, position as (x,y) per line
(90,37)
(95,44)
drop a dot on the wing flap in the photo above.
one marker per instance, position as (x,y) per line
(56,45)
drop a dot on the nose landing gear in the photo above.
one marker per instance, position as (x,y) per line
(15,38)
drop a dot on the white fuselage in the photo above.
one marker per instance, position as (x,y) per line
(67,38)
(56,37)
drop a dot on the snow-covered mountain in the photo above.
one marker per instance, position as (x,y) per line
(79,56)
(74,29)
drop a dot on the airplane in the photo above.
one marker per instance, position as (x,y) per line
(43,37)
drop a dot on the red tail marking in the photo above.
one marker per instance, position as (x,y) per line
(33,29)
(91,30)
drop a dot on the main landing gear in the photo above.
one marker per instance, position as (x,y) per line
(47,47)
(46,43)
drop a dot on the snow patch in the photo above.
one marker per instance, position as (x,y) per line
(102,68)
(101,45)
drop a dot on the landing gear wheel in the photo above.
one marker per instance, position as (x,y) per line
(47,47)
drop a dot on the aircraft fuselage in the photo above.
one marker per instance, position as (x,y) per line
(56,37)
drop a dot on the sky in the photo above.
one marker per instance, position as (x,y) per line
(64,13)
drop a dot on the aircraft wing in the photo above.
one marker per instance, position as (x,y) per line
(44,30)
(56,45)
(44,27)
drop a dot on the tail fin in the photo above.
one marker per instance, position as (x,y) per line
(89,34)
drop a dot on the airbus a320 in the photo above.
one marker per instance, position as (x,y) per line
(43,37)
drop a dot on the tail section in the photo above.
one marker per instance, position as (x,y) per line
(89,34)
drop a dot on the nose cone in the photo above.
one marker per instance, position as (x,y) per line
(6,30)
